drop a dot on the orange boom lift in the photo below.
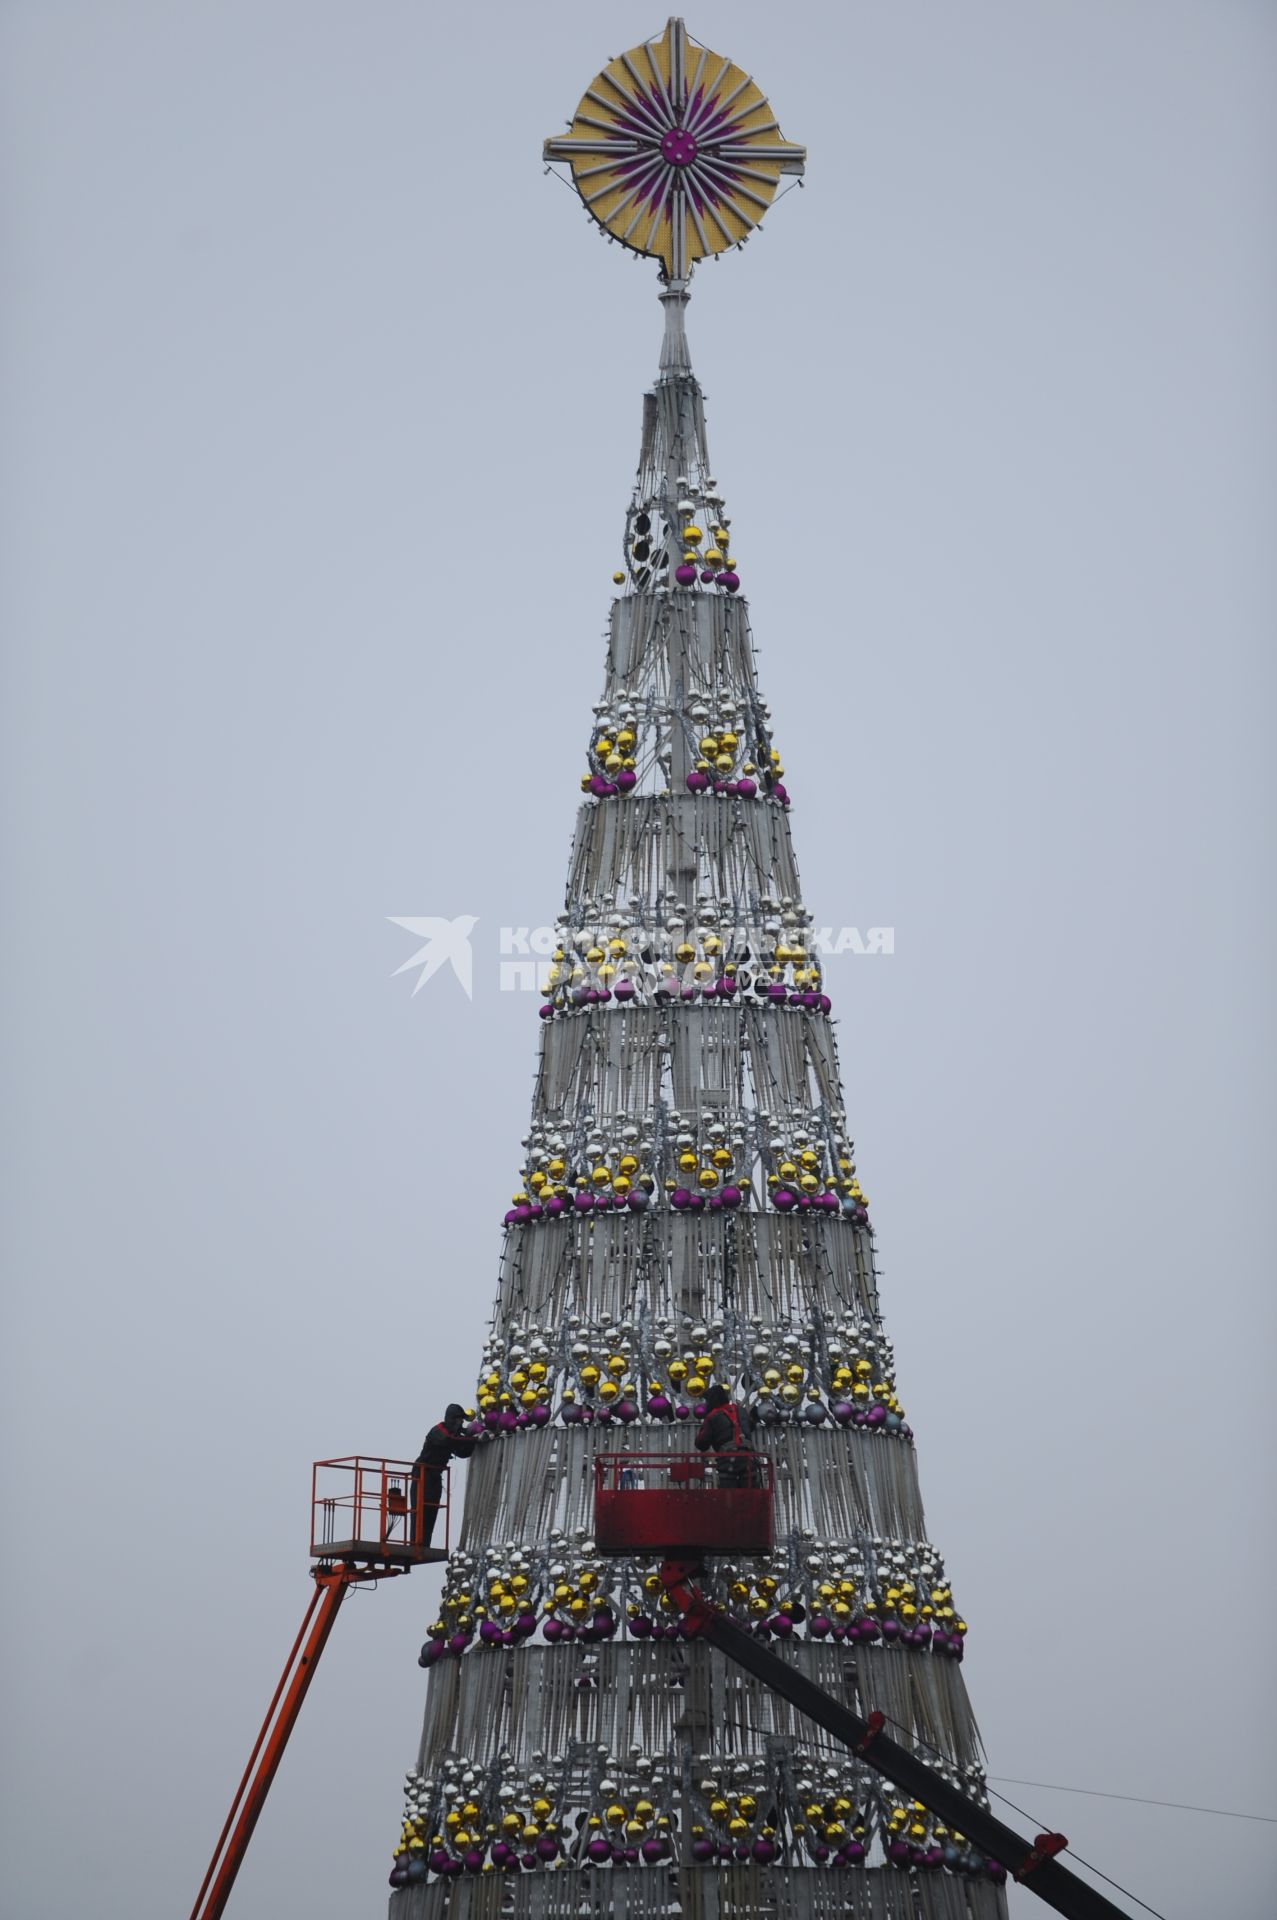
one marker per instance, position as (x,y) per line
(682,1507)
(363,1529)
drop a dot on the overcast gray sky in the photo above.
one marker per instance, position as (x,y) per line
(322,408)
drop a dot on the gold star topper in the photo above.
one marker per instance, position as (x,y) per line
(675,151)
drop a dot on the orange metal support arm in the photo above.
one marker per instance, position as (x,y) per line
(331,1584)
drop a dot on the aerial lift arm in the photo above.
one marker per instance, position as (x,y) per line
(370,1521)
(1031,1862)
(331,1587)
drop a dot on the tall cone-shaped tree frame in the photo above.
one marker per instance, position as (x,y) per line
(688,1214)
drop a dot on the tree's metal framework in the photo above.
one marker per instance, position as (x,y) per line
(688,1212)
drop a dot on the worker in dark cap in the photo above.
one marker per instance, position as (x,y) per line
(726,1432)
(447,1440)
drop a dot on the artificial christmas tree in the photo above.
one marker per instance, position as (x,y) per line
(688,1214)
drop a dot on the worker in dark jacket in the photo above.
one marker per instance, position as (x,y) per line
(447,1440)
(726,1431)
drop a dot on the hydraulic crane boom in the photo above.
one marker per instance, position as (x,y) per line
(1031,1862)
(331,1587)
(371,1520)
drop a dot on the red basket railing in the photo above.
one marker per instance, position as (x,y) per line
(685,1504)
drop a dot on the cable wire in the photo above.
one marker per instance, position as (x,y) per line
(1138,1799)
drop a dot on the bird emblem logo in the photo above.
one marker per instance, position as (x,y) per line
(446,942)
